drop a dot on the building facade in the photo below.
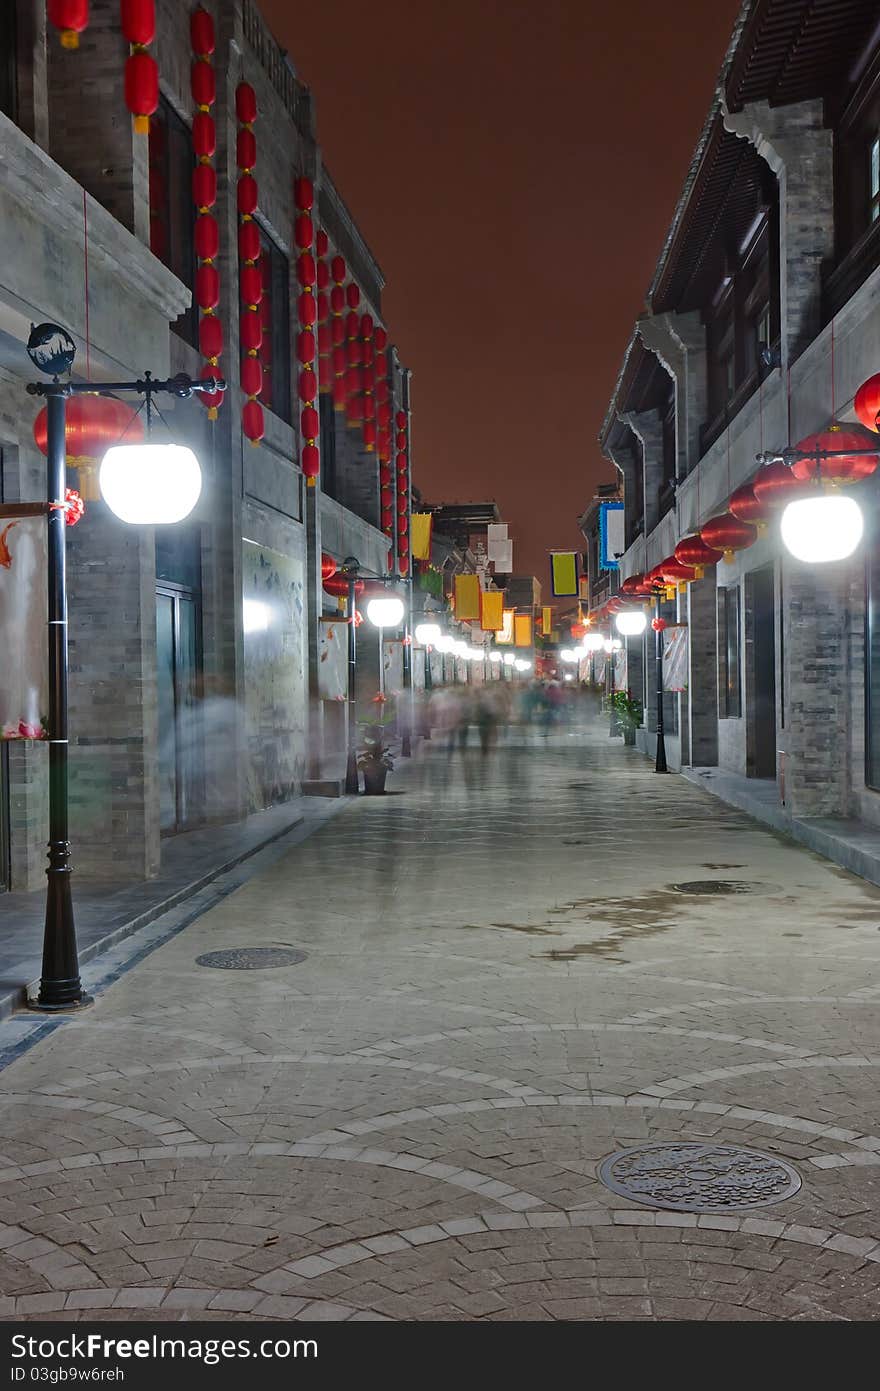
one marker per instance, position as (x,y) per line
(762,321)
(195,651)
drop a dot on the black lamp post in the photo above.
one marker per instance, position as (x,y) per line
(52,350)
(660,760)
(351,571)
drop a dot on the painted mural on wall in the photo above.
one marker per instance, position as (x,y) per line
(24,680)
(274,671)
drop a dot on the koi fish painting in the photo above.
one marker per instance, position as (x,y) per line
(5,556)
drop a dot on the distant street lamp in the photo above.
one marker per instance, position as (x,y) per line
(142,484)
(384,612)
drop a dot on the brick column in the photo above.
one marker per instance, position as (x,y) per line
(648,429)
(795,144)
(679,343)
(701,706)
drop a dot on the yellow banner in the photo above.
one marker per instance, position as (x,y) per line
(491,610)
(420,535)
(563,572)
(522,630)
(546,622)
(467,597)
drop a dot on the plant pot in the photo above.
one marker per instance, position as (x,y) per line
(629,735)
(374,781)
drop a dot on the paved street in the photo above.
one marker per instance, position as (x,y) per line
(502,986)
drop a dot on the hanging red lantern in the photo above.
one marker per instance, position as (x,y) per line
(250,285)
(201,32)
(384,475)
(207,287)
(380,339)
(304,194)
(867,402)
(776,484)
(138,19)
(369,436)
(92,424)
(658,624)
(249,242)
(848,468)
(246,195)
(245,149)
(694,551)
(386,497)
(631,585)
(352,295)
(307,384)
(337,585)
(141,89)
(403,564)
(387,518)
(402,463)
(303,232)
(203,84)
(245,104)
(305,346)
(251,376)
(210,336)
(207,237)
(309,423)
(402,525)
(728,534)
(338,269)
(70,18)
(322,243)
(402,505)
(306,270)
(674,573)
(204,135)
(204,187)
(400,420)
(306,310)
(310,461)
(251,331)
(745,505)
(328,566)
(402,543)
(252,422)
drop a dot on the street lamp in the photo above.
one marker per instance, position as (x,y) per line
(167,481)
(632,624)
(822,529)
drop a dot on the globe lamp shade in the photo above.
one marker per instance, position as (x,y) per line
(427,634)
(822,529)
(150,484)
(593,641)
(631,624)
(385,613)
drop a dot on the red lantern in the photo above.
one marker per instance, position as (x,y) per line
(322,243)
(694,551)
(245,149)
(251,376)
(252,422)
(245,104)
(141,89)
(210,336)
(70,18)
(306,270)
(658,624)
(246,195)
(386,497)
(846,469)
(204,186)
(402,463)
(207,237)
(402,526)
(728,534)
(632,585)
(250,285)
(304,195)
(309,423)
(380,340)
(673,572)
(745,505)
(203,84)
(867,402)
(402,505)
(338,269)
(400,420)
(383,415)
(387,518)
(352,295)
(404,565)
(402,543)
(305,346)
(251,331)
(207,287)
(369,436)
(307,384)
(204,135)
(776,484)
(248,242)
(337,585)
(201,32)
(138,18)
(303,231)
(328,566)
(310,461)
(92,425)
(306,310)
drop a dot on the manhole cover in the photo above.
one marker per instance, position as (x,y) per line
(251,958)
(698,1178)
(715,886)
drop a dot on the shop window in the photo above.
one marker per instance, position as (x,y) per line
(172,214)
(729,660)
(275,353)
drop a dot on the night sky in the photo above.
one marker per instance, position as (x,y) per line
(514,167)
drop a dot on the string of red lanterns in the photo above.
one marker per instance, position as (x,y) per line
(325,344)
(249,275)
(138,19)
(354,406)
(307,314)
(206,232)
(338,273)
(401,441)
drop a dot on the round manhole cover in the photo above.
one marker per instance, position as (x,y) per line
(698,1178)
(716,886)
(251,958)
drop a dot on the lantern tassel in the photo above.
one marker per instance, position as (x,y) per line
(69,38)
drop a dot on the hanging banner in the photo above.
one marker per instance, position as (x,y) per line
(496,540)
(621,669)
(420,528)
(392,660)
(467,597)
(522,630)
(564,574)
(505,636)
(611,542)
(675,658)
(332,659)
(502,557)
(491,610)
(24,676)
(584,589)
(546,622)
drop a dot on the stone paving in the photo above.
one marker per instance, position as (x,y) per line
(503,986)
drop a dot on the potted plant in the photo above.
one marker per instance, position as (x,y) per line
(375,760)
(629,712)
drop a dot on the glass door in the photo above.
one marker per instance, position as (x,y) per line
(178,666)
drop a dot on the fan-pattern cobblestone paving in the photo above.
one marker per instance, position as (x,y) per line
(502,987)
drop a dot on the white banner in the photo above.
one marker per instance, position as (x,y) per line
(333,659)
(502,557)
(675,658)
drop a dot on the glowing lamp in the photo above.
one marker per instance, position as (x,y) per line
(445,643)
(822,529)
(631,624)
(568,654)
(495,656)
(427,634)
(150,484)
(508,659)
(385,613)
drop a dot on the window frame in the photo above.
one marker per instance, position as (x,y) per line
(729,653)
(178,216)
